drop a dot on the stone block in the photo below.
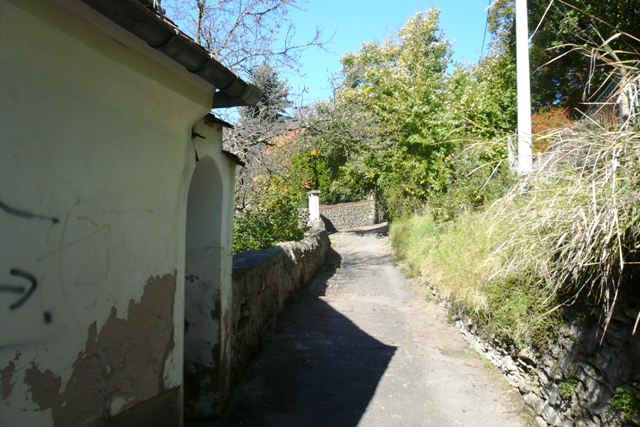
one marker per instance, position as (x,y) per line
(524,386)
(540,422)
(542,376)
(535,402)
(554,398)
(548,413)
(508,364)
(563,423)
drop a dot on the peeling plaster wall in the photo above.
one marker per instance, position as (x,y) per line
(96,157)
(120,364)
(263,282)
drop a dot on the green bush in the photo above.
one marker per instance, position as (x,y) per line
(413,238)
(267,224)
(520,313)
(478,175)
(459,260)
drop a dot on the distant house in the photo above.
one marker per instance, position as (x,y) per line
(116,204)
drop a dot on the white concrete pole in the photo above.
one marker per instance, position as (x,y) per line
(314,206)
(525,152)
(624,104)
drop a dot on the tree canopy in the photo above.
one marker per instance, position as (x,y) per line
(401,113)
(573,42)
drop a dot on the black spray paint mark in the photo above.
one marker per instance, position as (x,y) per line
(47,317)
(20,289)
(12,289)
(26,214)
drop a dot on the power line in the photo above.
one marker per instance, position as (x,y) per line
(486,25)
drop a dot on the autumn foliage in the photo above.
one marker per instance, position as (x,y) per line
(546,120)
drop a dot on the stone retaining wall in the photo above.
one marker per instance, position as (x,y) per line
(345,216)
(575,383)
(263,281)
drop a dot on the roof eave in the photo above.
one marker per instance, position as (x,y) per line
(161,35)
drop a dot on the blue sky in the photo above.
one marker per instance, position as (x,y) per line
(357,21)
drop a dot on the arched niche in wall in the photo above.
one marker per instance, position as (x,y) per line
(202,337)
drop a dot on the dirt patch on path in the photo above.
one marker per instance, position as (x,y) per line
(360,347)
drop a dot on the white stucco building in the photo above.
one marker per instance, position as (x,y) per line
(113,188)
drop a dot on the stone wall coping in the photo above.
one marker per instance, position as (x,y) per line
(339,205)
(249,259)
(315,231)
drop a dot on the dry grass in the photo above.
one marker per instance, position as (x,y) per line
(571,228)
(575,221)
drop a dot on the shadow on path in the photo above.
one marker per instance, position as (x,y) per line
(318,368)
(358,347)
(378,230)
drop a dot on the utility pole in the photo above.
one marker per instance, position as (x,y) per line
(525,152)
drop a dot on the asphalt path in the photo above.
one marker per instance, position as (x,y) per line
(362,347)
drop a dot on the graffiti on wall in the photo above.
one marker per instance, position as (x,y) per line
(21,213)
(20,289)
(25,291)
(79,259)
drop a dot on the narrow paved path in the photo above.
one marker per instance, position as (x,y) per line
(361,348)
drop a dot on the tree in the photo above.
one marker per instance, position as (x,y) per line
(381,132)
(336,136)
(267,199)
(482,97)
(401,127)
(242,34)
(567,32)
(259,136)
(401,83)
(275,101)
(256,38)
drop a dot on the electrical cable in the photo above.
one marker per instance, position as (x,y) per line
(486,25)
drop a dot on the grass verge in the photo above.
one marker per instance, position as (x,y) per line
(569,230)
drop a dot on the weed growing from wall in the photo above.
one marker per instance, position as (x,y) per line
(625,401)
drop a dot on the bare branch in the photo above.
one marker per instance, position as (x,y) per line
(242,34)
